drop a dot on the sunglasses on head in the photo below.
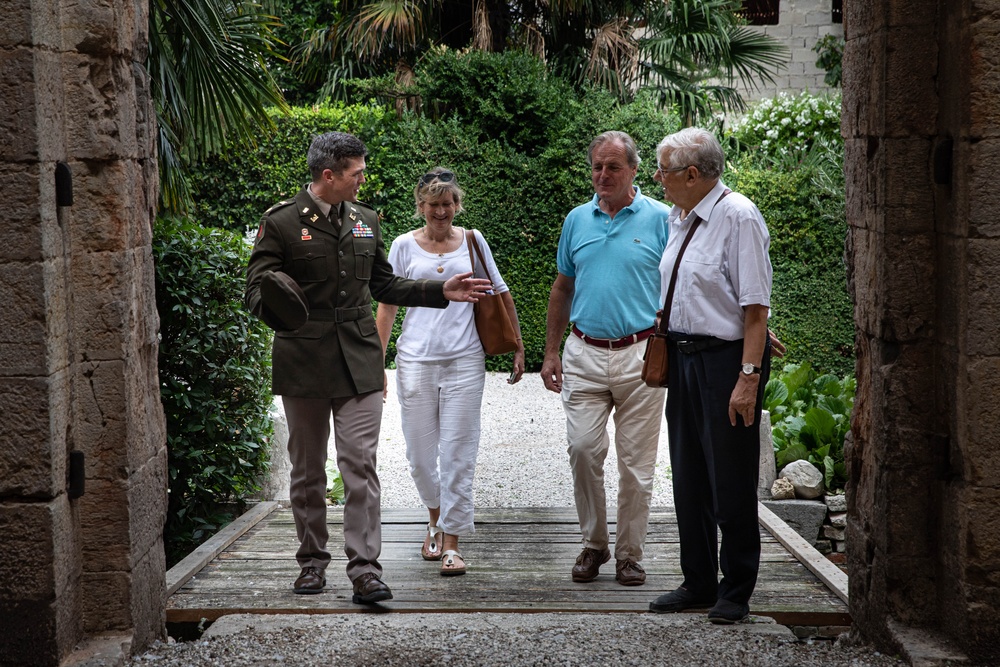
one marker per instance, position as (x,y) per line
(443,176)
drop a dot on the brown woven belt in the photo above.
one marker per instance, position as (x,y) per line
(613,343)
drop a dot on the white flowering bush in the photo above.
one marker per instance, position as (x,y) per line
(786,125)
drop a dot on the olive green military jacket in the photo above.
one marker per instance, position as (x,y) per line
(337,352)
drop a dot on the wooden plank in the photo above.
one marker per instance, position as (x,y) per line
(204,554)
(829,574)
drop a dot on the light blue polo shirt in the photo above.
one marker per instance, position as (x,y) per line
(614,265)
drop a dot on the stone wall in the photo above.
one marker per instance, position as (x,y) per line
(801,23)
(922,131)
(78,331)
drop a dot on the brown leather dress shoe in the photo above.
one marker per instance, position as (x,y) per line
(589,562)
(629,573)
(310,581)
(368,589)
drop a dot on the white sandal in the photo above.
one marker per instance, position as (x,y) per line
(448,568)
(431,548)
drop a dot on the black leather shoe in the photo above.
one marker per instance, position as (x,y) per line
(310,581)
(727,612)
(629,573)
(589,562)
(368,589)
(679,600)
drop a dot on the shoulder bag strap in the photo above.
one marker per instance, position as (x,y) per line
(673,275)
(474,251)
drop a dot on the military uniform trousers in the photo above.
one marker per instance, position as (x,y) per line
(595,381)
(356,422)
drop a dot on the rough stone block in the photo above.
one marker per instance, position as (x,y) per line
(838,519)
(102,294)
(867,273)
(31,632)
(909,199)
(983,268)
(147,500)
(38,557)
(149,597)
(17,104)
(105,525)
(980,392)
(101,125)
(111,193)
(833,533)
(16,28)
(836,503)
(865,196)
(980,160)
(23,344)
(109,601)
(805,517)
(34,413)
(907,284)
(864,109)
(31,229)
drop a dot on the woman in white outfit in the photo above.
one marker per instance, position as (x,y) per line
(440,368)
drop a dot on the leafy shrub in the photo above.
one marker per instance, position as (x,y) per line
(810,416)
(831,54)
(214,364)
(798,184)
(786,125)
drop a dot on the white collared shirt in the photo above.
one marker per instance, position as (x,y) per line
(725,267)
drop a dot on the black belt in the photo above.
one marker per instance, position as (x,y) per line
(689,344)
(339,314)
(613,343)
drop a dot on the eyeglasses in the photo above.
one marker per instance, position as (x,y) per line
(442,176)
(663,170)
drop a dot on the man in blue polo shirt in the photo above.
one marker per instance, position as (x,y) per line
(608,285)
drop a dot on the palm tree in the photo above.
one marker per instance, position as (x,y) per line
(209,80)
(691,52)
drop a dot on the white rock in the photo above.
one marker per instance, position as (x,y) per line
(837,503)
(807,480)
(782,489)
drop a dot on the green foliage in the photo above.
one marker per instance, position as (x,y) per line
(787,125)
(234,188)
(810,416)
(334,483)
(209,82)
(214,363)
(831,52)
(789,161)
(518,192)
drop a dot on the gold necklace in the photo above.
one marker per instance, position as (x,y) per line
(440,268)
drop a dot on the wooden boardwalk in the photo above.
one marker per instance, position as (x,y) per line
(519,561)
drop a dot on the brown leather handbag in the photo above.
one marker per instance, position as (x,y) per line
(496,331)
(654,360)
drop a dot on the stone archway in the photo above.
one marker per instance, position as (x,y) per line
(921,121)
(79,394)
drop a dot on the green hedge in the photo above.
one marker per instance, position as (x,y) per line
(214,364)
(520,183)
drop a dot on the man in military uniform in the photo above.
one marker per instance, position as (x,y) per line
(317,263)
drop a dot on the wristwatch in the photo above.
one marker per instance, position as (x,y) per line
(750,369)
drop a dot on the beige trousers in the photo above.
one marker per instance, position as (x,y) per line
(595,382)
(356,424)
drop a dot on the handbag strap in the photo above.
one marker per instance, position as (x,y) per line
(470,238)
(677,264)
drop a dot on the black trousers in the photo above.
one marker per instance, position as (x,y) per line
(715,471)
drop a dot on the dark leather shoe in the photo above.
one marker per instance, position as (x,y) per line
(629,573)
(679,600)
(368,589)
(310,581)
(727,612)
(589,562)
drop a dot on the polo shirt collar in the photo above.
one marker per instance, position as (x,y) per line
(632,208)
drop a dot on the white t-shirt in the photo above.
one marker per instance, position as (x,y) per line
(438,334)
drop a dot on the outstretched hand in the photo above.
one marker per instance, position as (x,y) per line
(463,287)
(777,347)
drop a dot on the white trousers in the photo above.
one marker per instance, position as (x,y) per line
(595,381)
(440,404)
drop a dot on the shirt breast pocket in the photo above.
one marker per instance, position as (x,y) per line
(309,262)
(364,258)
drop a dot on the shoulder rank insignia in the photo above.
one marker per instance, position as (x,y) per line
(285,202)
(362,230)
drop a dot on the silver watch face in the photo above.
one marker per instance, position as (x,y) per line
(748,369)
